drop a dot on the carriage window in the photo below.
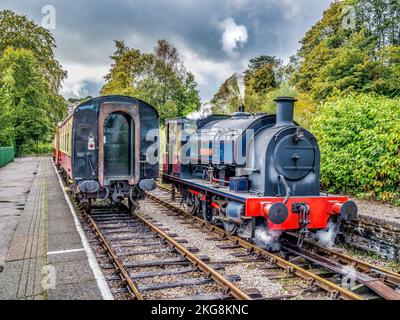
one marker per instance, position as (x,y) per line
(118,145)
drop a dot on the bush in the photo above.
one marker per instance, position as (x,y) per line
(359,137)
(33,149)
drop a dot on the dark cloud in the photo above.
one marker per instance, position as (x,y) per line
(85,30)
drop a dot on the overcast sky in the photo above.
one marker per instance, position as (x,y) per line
(214,38)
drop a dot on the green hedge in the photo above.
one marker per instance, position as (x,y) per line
(6,156)
(35,149)
(359,137)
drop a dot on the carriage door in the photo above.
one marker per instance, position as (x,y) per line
(119,147)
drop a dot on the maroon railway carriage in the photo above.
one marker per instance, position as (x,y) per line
(108,149)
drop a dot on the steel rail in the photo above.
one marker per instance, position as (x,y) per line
(387,275)
(118,263)
(286,265)
(376,285)
(216,276)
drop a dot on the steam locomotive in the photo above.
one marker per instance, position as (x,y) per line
(251,170)
(108,149)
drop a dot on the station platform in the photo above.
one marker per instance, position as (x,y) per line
(43,251)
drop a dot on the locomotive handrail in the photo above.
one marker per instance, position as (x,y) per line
(287,189)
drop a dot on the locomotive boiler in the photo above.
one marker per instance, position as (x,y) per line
(108,149)
(251,170)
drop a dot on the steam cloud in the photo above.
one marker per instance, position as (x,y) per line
(204,111)
(240,93)
(268,239)
(327,237)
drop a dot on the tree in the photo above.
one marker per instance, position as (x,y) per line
(334,58)
(159,78)
(261,61)
(25,99)
(76,101)
(352,69)
(317,46)
(263,74)
(382,20)
(263,80)
(20,33)
(227,99)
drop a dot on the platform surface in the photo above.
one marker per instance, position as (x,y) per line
(41,249)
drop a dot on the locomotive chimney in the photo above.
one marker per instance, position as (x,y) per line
(284,111)
(241,113)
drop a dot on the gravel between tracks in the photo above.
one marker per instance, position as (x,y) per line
(251,277)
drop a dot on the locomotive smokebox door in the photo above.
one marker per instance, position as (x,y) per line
(294,159)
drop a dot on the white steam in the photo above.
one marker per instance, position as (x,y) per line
(327,236)
(268,239)
(240,91)
(204,111)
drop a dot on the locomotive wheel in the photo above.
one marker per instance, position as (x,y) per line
(230,227)
(192,204)
(207,214)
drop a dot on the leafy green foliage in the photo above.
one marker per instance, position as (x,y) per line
(35,148)
(263,75)
(19,32)
(227,99)
(381,18)
(158,78)
(333,58)
(76,101)
(30,78)
(359,138)
(25,100)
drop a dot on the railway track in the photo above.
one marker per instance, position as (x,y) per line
(383,282)
(341,276)
(143,262)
